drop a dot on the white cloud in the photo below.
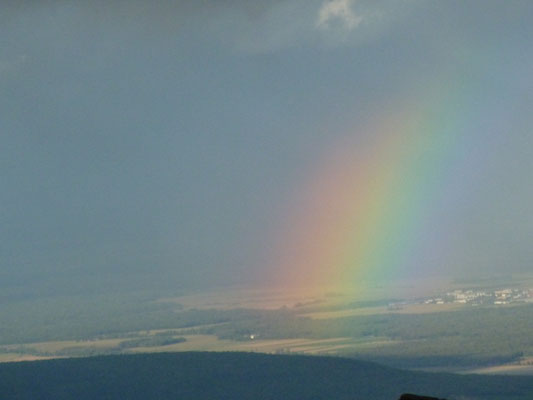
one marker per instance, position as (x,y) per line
(339,11)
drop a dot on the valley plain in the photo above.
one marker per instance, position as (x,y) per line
(437,326)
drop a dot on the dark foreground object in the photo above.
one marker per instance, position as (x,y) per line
(201,376)
(409,396)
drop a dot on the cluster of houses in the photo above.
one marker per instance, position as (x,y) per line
(479,297)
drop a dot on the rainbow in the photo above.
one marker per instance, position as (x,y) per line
(368,207)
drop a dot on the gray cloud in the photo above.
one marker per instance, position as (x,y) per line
(242,25)
(166,137)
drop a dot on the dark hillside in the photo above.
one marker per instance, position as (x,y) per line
(197,375)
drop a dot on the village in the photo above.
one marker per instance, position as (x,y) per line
(483,297)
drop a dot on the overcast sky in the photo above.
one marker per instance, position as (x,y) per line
(167,139)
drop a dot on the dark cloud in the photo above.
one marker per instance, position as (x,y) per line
(165,138)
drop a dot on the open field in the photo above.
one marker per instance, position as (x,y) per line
(333,346)
(14,357)
(255,298)
(522,367)
(404,309)
(61,345)
(298,345)
(205,343)
(295,297)
(504,369)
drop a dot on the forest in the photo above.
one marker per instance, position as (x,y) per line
(200,375)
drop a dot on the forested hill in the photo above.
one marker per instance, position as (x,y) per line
(197,375)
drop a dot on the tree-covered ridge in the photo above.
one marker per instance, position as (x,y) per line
(196,375)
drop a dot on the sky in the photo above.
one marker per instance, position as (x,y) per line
(209,143)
